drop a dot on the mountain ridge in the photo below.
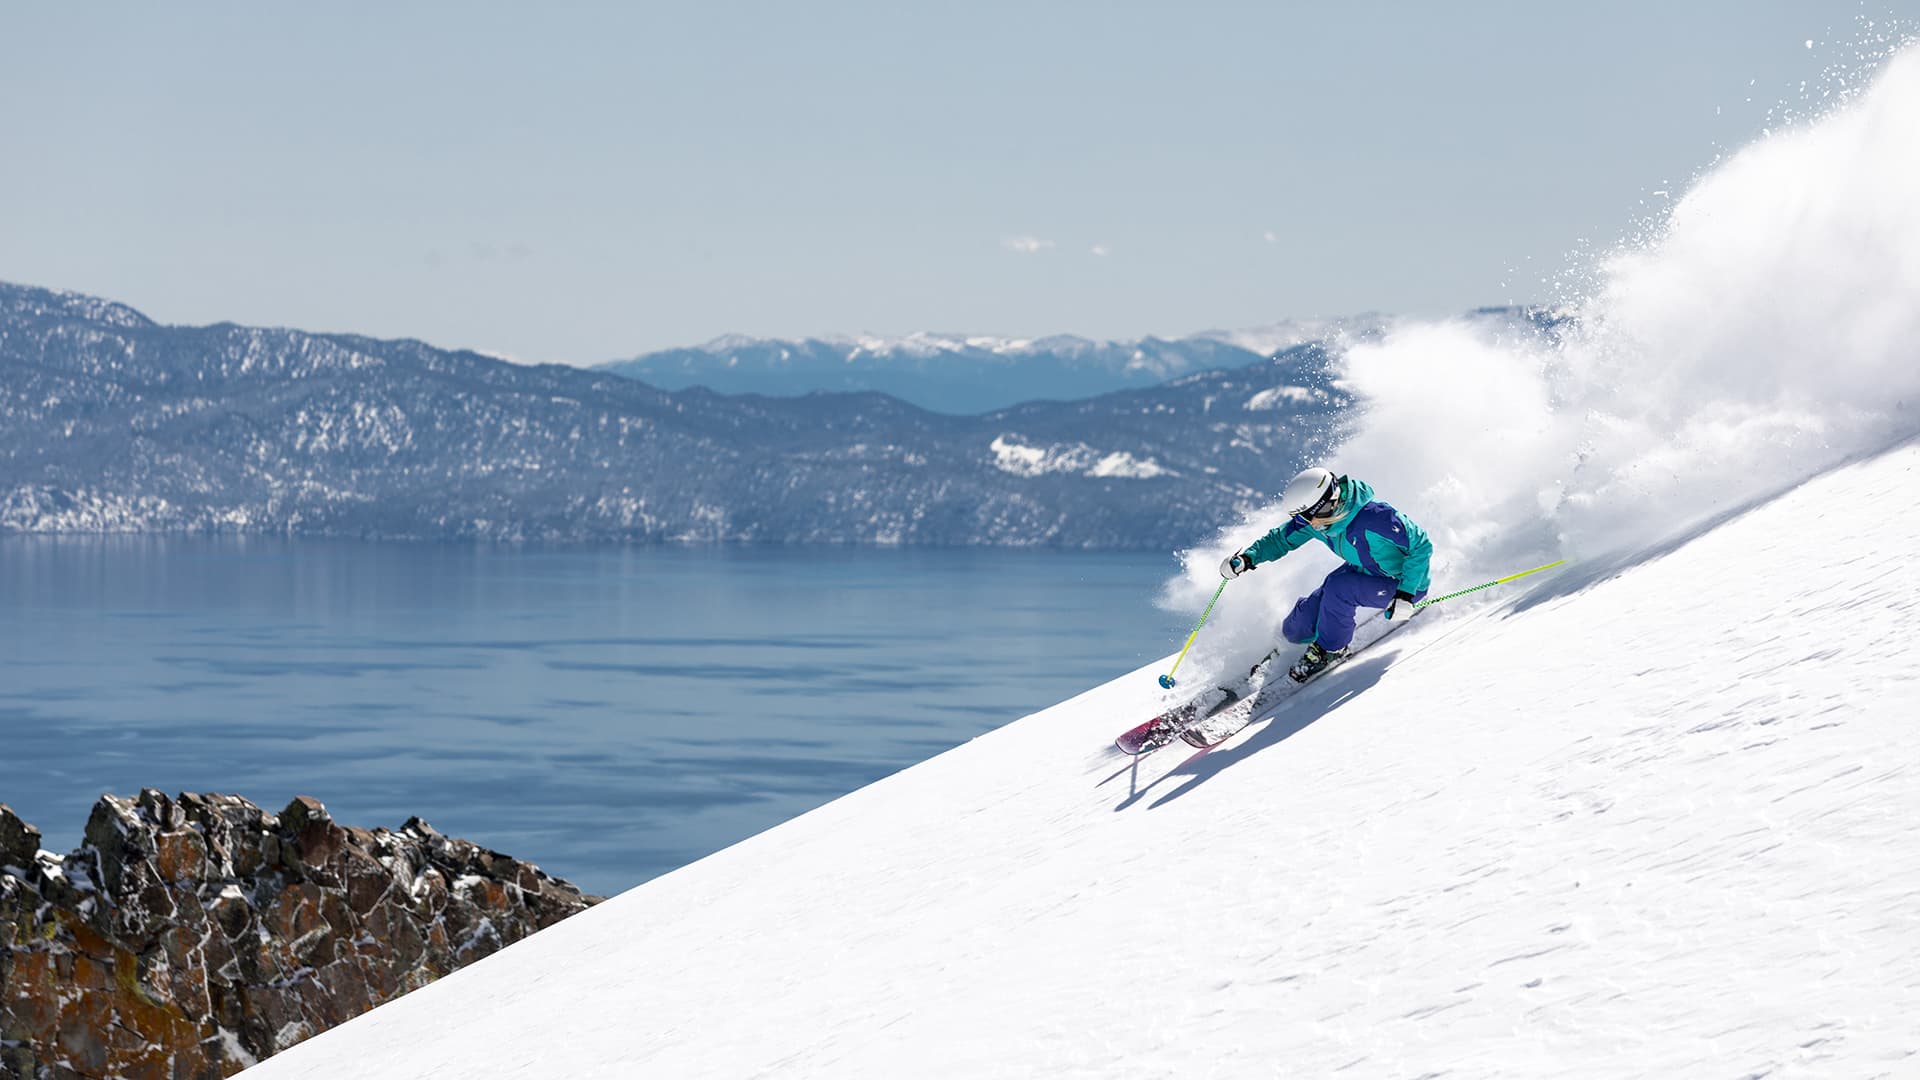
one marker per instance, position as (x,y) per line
(115,423)
(973,373)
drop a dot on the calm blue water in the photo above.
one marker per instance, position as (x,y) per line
(609,713)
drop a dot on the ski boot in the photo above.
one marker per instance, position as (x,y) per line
(1314,661)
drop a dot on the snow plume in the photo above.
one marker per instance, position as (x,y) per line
(1766,330)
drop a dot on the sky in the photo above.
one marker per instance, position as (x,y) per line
(581,182)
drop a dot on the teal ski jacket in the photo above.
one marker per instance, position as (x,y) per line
(1371,536)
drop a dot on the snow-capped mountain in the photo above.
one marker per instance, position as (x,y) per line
(965,374)
(110,422)
(1583,831)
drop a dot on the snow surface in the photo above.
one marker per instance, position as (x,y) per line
(1647,816)
(1600,831)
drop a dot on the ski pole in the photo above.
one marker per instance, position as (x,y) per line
(1489,585)
(1166,681)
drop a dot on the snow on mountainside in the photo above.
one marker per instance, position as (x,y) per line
(109,422)
(1596,830)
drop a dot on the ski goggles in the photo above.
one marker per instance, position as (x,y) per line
(1328,506)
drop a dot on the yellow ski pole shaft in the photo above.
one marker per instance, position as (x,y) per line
(1166,681)
(1491,584)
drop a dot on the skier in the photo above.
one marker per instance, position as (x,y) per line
(1385,552)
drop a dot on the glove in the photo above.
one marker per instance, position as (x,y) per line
(1235,565)
(1402,606)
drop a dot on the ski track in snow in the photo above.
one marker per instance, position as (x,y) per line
(1652,825)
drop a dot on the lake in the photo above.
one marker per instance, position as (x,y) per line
(607,713)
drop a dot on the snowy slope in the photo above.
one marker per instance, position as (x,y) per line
(1594,831)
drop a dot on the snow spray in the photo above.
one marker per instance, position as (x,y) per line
(1756,334)
(1166,681)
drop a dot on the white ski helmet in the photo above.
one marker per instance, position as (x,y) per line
(1313,493)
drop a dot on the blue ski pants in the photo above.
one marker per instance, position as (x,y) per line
(1327,613)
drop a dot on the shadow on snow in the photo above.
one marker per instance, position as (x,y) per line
(1294,715)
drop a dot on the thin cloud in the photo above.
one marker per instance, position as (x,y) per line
(1101,250)
(1026,245)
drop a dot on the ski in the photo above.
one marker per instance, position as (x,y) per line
(1232,718)
(1166,727)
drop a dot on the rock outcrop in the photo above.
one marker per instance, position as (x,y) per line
(192,937)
